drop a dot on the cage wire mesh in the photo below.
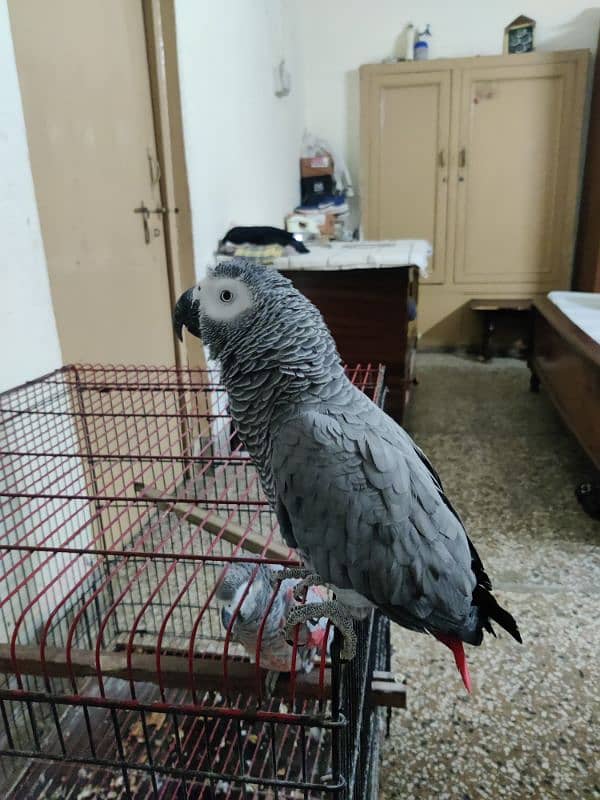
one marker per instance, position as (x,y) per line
(126,495)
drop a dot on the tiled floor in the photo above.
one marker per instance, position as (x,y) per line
(531,728)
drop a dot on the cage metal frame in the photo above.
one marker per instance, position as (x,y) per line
(126,494)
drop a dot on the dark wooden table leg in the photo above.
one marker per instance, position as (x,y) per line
(488,330)
(534,381)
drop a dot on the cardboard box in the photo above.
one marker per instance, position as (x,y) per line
(316,165)
(325,222)
(328,226)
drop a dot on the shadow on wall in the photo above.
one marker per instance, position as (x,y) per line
(463,328)
(352,143)
(457,326)
(581,31)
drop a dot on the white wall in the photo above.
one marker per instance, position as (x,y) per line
(242,143)
(28,335)
(337,36)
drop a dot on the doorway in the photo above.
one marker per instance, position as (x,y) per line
(101,172)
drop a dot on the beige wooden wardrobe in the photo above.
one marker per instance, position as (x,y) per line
(482,157)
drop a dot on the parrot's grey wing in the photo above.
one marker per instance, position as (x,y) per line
(358,501)
(476,564)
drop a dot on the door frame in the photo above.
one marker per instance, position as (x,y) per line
(163,71)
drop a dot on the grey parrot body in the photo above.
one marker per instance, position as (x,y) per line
(353,493)
(400,547)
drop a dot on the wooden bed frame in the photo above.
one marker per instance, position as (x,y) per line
(566,361)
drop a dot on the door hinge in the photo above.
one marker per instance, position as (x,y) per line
(155,170)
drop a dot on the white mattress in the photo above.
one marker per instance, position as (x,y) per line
(361,255)
(582,308)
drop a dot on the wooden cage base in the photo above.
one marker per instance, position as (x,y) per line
(385,690)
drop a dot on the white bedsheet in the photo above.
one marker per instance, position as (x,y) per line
(582,308)
(361,255)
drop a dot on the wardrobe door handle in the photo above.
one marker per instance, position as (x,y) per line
(462,158)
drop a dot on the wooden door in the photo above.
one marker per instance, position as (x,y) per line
(405,133)
(84,79)
(513,174)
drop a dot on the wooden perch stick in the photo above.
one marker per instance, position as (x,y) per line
(209,521)
(385,690)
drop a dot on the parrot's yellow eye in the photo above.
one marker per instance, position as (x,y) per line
(226,296)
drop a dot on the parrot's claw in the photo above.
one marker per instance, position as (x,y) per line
(331,610)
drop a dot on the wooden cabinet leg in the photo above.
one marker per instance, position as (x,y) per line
(534,383)
(588,494)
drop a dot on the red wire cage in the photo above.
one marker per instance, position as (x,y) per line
(126,496)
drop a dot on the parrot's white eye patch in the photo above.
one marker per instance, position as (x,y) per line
(223,299)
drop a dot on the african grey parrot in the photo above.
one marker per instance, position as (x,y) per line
(246,596)
(353,494)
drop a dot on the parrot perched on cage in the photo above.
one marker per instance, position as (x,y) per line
(354,495)
(246,596)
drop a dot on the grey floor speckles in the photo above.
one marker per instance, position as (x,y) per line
(531,728)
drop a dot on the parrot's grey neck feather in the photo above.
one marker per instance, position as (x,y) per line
(294,365)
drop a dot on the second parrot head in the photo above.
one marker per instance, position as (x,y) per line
(244,593)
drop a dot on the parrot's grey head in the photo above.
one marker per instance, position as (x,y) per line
(244,594)
(242,306)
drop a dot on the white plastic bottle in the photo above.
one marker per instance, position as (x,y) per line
(421,48)
(410,42)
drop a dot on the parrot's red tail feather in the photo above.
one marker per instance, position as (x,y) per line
(458,651)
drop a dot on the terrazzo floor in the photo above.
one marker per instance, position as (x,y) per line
(531,728)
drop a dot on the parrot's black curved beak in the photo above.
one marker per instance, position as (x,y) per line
(186,313)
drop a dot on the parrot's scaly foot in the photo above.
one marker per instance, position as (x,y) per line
(334,612)
(311,579)
(307,576)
